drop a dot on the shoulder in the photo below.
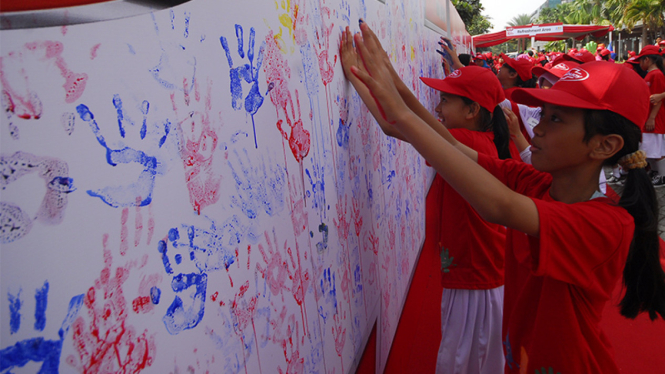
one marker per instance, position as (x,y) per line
(482,142)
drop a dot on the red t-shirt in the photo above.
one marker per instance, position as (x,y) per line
(656,82)
(472,254)
(558,284)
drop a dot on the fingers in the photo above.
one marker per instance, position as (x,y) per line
(363,52)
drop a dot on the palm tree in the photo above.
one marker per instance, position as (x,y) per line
(649,12)
(520,20)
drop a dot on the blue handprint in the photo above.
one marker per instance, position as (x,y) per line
(208,250)
(258,188)
(38,349)
(177,318)
(329,292)
(247,72)
(138,193)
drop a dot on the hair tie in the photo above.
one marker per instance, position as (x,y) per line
(635,160)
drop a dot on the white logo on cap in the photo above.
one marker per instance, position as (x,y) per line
(575,75)
(561,66)
(455,74)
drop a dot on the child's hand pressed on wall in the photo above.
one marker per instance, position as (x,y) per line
(377,76)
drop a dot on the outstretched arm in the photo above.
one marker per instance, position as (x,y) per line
(350,57)
(490,198)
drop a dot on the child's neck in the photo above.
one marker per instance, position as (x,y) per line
(575,186)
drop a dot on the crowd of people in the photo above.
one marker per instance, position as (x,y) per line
(532,241)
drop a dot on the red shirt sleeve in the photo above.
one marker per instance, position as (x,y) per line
(517,175)
(584,244)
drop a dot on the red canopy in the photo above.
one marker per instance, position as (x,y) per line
(544,32)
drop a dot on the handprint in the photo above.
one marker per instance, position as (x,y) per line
(179,317)
(138,193)
(295,363)
(38,349)
(104,341)
(344,124)
(278,74)
(198,144)
(323,32)
(329,291)
(258,188)
(446,260)
(176,69)
(16,223)
(247,72)
(339,333)
(277,269)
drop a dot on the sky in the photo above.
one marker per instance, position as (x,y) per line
(503,11)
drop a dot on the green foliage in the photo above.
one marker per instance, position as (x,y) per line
(520,20)
(470,12)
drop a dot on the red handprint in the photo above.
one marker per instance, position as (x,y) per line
(339,333)
(197,147)
(277,270)
(105,343)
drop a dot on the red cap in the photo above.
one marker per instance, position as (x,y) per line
(488,55)
(631,53)
(521,65)
(581,57)
(595,85)
(605,52)
(649,50)
(662,42)
(473,82)
(557,70)
(633,60)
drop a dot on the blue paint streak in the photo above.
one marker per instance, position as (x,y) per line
(343,134)
(14,312)
(138,193)
(178,258)
(323,244)
(41,301)
(117,103)
(186,33)
(167,129)
(245,72)
(177,319)
(155,294)
(259,189)
(145,106)
(62,184)
(161,247)
(39,349)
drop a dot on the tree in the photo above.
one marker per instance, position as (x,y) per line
(649,12)
(520,20)
(470,12)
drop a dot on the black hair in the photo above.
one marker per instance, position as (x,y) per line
(605,57)
(495,122)
(530,83)
(658,60)
(465,59)
(643,277)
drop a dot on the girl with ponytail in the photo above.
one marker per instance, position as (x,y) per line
(471,249)
(561,261)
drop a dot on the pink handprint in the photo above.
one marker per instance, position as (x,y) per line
(197,147)
(277,269)
(339,333)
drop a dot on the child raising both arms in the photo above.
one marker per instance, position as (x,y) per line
(562,263)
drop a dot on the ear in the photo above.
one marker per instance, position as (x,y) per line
(605,146)
(473,110)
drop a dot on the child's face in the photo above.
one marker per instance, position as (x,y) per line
(452,111)
(505,76)
(558,141)
(645,62)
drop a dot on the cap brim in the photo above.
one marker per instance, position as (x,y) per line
(537,97)
(441,85)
